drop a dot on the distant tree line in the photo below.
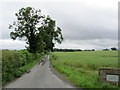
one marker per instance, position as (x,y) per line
(66,50)
(113,48)
(71,50)
(75,50)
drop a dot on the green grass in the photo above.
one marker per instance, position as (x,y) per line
(30,65)
(82,67)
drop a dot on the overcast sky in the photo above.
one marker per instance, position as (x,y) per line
(85,24)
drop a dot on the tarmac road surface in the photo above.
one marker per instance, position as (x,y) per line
(39,77)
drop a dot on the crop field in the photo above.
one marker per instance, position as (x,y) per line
(82,67)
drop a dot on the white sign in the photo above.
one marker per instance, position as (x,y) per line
(112,78)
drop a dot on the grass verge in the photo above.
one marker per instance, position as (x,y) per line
(30,65)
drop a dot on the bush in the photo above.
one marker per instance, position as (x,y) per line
(18,73)
(11,60)
(27,57)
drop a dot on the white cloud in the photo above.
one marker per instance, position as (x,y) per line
(10,44)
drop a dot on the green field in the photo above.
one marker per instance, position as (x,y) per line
(82,67)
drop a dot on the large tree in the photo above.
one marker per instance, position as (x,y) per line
(39,31)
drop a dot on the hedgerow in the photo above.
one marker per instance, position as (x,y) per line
(12,63)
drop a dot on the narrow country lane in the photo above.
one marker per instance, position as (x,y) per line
(39,77)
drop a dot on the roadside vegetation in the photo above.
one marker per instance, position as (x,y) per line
(16,63)
(82,67)
(0,68)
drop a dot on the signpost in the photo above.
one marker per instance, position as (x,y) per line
(110,75)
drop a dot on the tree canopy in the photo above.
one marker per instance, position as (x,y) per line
(39,30)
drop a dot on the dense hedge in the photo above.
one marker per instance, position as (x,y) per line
(12,61)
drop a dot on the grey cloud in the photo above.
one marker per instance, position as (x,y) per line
(78,21)
(84,23)
(88,44)
(90,34)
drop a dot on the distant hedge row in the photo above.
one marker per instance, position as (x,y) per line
(11,63)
